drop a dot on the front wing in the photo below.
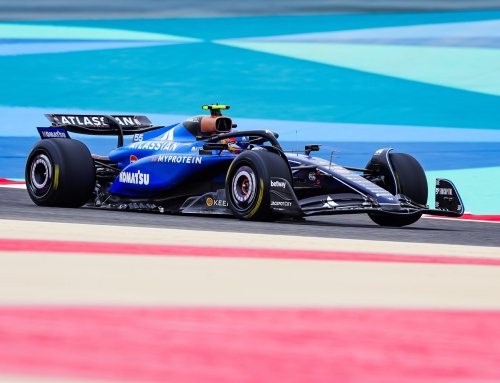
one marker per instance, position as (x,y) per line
(284,202)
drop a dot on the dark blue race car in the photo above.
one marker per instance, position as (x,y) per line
(204,166)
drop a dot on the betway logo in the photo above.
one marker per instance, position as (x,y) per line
(278,184)
(52,134)
(134,178)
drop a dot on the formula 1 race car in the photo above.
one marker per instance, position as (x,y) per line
(204,166)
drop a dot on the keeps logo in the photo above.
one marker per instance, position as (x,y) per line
(278,184)
(216,202)
(134,178)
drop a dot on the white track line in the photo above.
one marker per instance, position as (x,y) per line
(14,186)
(462,219)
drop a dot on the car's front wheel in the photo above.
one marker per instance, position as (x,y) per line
(411,181)
(248,184)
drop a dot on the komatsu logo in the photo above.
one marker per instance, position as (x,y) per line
(278,184)
(134,178)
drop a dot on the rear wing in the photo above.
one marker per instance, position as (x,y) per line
(99,121)
(105,125)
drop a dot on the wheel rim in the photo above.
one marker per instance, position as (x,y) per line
(40,177)
(243,187)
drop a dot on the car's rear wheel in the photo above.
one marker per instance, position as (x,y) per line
(411,181)
(60,172)
(248,184)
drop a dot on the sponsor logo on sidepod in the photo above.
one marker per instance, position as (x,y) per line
(154,145)
(178,159)
(278,184)
(134,178)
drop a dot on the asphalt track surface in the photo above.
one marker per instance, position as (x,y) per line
(15,204)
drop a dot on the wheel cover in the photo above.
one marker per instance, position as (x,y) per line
(243,188)
(40,176)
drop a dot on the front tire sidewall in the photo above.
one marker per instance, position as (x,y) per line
(412,183)
(264,165)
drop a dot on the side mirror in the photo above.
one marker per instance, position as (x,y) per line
(311,148)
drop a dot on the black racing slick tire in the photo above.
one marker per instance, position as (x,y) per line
(248,184)
(60,172)
(411,182)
